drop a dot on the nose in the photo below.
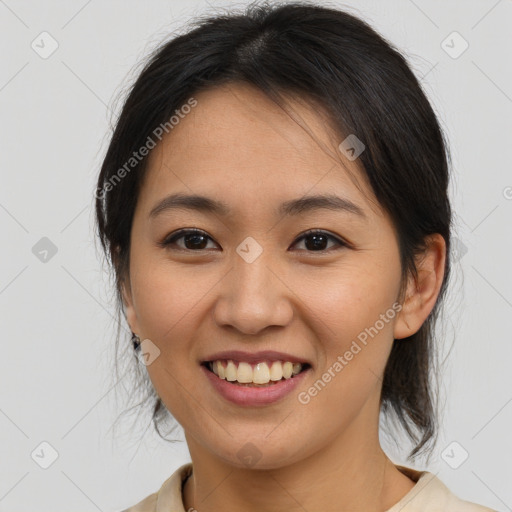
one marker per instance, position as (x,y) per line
(253,296)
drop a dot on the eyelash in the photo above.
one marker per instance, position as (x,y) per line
(171,239)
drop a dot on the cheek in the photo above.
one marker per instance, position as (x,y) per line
(349,299)
(168,304)
(167,298)
(351,318)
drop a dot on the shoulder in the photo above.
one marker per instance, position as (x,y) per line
(456,504)
(168,497)
(430,494)
(148,504)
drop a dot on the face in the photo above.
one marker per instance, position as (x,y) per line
(254,280)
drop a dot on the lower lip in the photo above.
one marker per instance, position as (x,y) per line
(256,396)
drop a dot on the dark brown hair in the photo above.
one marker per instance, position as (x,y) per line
(365,85)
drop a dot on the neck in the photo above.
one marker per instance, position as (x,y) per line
(349,474)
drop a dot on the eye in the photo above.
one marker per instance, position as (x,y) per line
(318,240)
(193,239)
(197,240)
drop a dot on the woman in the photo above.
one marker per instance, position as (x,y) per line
(274,204)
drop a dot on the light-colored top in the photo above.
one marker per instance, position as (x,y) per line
(428,495)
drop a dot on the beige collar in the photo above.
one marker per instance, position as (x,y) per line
(428,495)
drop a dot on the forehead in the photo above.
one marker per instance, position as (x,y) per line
(236,144)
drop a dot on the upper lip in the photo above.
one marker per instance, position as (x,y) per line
(255,357)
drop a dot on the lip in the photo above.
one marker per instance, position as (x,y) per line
(257,396)
(255,357)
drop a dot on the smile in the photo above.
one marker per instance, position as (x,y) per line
(261,373)
(254,384)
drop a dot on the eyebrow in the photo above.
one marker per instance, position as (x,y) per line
(291,207)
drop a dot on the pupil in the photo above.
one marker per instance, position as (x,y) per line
(195,238)
(317,242)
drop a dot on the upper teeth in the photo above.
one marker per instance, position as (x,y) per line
(259,374)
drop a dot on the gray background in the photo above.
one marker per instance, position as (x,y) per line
(57,322)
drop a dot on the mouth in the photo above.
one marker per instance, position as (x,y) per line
(255,375)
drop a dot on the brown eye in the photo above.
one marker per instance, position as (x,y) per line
(316,241)
(193,240)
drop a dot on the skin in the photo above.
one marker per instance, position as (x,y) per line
(239,147)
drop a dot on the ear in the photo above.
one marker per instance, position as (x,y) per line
(422,293)
(126,291)
(129,309)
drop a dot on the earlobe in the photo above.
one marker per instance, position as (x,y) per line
(422,292)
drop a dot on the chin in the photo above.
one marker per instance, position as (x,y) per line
(261,453)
